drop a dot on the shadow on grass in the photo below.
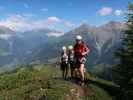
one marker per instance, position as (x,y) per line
(112,89)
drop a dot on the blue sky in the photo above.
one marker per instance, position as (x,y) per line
(59,14)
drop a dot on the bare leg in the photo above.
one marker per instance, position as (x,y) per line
(72,71)
(66,73)
(82,71)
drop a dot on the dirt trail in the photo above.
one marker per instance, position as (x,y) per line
(78,92)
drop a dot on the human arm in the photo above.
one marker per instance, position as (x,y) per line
(86,50)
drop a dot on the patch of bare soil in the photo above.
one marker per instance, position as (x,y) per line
(79,93)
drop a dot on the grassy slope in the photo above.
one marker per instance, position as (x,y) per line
(43,82)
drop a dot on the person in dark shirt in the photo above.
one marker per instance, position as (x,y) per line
(64,62)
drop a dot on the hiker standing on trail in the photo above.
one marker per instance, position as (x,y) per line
(80,52)
(71,60)
(64,62)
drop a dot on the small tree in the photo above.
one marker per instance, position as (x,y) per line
(124,70)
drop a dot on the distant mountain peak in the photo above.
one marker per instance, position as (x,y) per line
(114,24)
(5,30)
(83,28)
(84,25)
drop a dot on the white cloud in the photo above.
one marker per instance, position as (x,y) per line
(5,36)
(118,12)
(105,11)
(69,24)
(55,34)
(20,23)
(110,11)
(24,23)
(44,9)
(53,19)
(15,22)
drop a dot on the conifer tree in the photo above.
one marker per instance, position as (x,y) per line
(124,70)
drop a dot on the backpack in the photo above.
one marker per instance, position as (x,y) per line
(71,56)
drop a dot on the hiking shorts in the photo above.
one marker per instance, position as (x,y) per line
(80,60)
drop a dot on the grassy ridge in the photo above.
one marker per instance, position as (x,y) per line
(27,84)
(43,82)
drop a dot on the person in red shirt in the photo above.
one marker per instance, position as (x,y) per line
(80,52)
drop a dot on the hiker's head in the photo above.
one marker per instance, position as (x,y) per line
(64,48)
(70,47)
(78,39)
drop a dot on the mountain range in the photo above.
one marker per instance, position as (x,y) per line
(44,45)
(102,41)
